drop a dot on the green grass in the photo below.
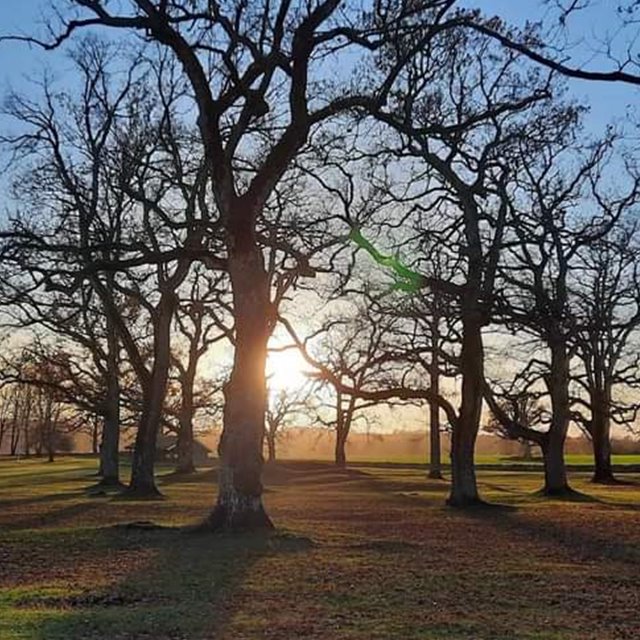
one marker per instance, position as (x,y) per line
(572,459)
(369,553)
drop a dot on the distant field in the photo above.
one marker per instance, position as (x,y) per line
(572,459)
(368,553)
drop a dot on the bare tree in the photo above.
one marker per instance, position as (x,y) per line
(285,406)
(253,74)
(606,294)
(522,409)
(550,224)
(262,46)
(349,358)
(197,322)
(113,226)
(51,410)
(461,120)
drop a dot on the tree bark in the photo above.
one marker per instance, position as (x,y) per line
(15,431)
(435,466)
(143,463)
(555,472)
(271,447)
(340,454)
(555,475)
(95,439)
(344,418)
(110,445)
(464,488)
(239,503)
(601,438)
(185,462)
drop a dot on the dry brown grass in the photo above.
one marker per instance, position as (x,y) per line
(367,553)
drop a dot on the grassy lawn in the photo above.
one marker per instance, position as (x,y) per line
(369,553)
(572,459)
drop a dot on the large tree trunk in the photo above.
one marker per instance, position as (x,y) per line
(144,454)
(464,489)
(601,438)
(343,427)
(185,434)
(271,446)
(435,466)
(340,453)
(555,472)
(184,462)
(95,440)
(110,445)
(239,503)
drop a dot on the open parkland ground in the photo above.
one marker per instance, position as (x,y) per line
(365,553)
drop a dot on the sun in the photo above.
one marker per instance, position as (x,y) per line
(286,370)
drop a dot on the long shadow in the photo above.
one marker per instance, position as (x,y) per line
(49,497)
(38,477)
(417,486)
(577,539)
(510,516)
(621,506)
(304,473)
(568,496)
(51,518)
(206,476)
(188,589)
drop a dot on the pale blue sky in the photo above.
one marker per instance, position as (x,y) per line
(608,101)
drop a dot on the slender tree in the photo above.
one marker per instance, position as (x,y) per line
(196,321)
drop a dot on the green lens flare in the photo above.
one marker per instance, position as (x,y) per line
(405,279)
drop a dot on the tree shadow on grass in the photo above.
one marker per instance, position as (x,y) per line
(414,487)
(33,500)
(38,477)
(501,489)
(567,495)
(190,588)
(309,473)
(52,518)
(585,544)
(207,476)
(288,472)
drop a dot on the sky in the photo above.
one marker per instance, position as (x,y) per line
(608,101)
(21,64)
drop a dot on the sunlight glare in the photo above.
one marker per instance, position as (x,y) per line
(285,370)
